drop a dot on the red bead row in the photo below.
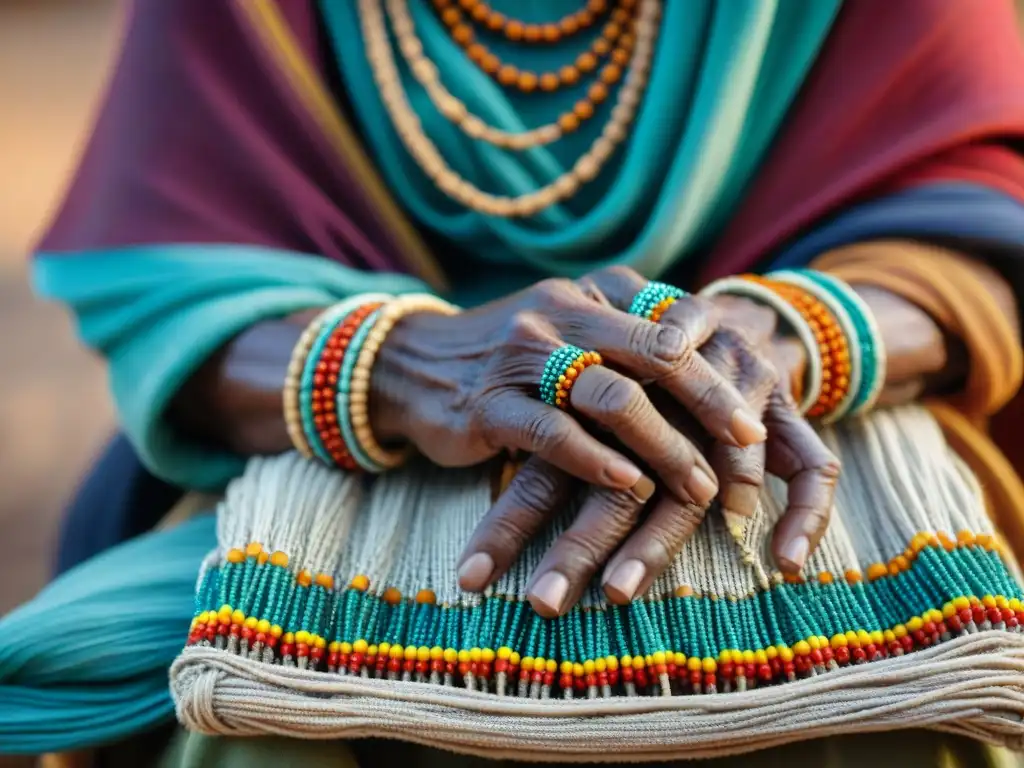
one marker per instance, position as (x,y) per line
(728,676)
(325,386)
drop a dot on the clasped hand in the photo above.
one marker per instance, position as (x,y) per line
(681,412)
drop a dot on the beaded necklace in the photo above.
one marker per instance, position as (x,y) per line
(425,152)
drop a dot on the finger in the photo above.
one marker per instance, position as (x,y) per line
(650,549)
(514,421)
(621,406)
(797,455)
(605,519)
(740,471)
(712,399)
(538,491)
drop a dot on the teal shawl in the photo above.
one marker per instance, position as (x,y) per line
(723,77)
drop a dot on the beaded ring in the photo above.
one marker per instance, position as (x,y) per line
(738,286)
(871,347)
(805,282)
(562,368)
(359,382)
(654,299)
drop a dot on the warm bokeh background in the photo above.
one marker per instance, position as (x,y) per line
(54,411)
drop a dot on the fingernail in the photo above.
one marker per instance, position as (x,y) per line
(795,553)
(621,586)
(476,572)
(671,344)
(623,473)
(701,487)
(643,488)
(550,591)
(746,428)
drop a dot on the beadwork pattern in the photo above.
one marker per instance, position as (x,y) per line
(386,604)
(560,372)
(654,299)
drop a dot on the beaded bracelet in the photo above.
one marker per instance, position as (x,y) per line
(738,286)
(870,344)
(329,442)
(290,391)
(805,282)
(295,397)
(359,383)
(833,345)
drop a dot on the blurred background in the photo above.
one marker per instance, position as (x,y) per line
(54,411)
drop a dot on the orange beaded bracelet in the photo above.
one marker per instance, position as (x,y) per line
(832,343)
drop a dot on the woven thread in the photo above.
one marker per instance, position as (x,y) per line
(937,628)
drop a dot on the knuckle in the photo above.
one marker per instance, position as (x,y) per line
(555,291)
(830,467)
(545,433)
(526,326)
(618,398)
(747,473)
(533,491)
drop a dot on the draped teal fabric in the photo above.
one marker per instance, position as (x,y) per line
(724,74)
(105,635)
(157,312)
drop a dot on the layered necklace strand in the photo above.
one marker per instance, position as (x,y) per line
(425,152)
(615,40)
(516,30)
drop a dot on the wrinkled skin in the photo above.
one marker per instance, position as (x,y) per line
(695,408)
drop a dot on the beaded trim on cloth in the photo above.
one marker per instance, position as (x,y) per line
(331,610)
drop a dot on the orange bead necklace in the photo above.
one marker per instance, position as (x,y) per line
(616,42)
(519,31)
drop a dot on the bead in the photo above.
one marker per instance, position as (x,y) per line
(360,583)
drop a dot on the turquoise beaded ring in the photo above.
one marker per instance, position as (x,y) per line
(653,299)
(560,372)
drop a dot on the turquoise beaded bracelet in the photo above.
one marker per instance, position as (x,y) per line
(870,347)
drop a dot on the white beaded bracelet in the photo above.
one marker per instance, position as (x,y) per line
(737,286)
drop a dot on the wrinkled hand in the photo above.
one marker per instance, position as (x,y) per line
(610,527)
(464,388)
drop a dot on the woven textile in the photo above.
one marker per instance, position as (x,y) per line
(330,610)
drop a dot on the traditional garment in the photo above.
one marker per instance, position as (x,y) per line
(259,178)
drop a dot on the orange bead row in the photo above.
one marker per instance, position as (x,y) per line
(572,372)
(325,387)
(833,346)
(519,31)
(616,41)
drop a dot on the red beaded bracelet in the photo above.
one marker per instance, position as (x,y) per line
(325,386)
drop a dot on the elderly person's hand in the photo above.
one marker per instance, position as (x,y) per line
(463,388)
(611,529)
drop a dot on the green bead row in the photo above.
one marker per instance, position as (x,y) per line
(561,359)
(696,625)
(651,295)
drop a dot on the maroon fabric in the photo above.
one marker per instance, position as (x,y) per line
(200,139)
(899,87)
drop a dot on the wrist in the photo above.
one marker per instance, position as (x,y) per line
(408,373)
